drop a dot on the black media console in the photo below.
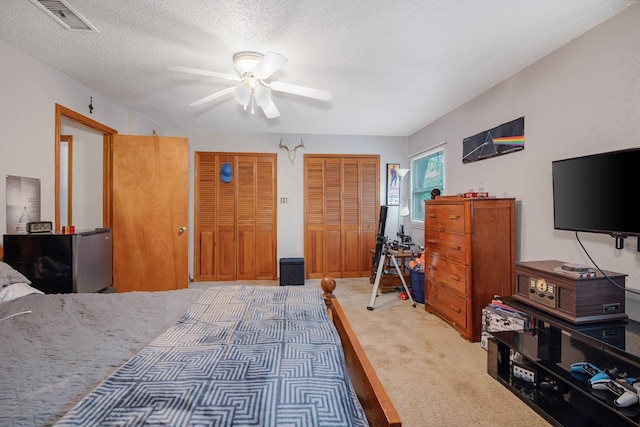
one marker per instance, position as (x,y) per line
(535,364)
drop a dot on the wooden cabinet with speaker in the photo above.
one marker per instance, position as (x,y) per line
(576,300)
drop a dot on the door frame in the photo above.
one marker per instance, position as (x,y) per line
(107,138)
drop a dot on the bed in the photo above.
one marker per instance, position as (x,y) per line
(142,358)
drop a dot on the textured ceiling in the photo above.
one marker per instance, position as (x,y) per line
(393,66)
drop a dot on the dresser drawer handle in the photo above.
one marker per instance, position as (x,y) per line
(432,241)
(455,278)
(454,308)
(456,248)
(432,215)
(454,217)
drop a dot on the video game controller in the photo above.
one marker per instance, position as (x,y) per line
(609,374)
(553,385)
(604,375)
(624,396)
(586,368)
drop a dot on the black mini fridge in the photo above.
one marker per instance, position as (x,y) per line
(62,263)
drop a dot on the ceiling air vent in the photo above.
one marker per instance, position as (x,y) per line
(65,15)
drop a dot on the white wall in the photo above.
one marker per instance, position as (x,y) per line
(30,91)
(87,176)
(291,175)
(582,99)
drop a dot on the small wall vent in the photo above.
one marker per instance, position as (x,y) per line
(65,15)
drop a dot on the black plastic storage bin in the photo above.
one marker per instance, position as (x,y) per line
(417,286)
(291,271)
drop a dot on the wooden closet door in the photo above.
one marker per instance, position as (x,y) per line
(333,253)
(314,216)
(246,218)
(341,208)
(369,211)
(235,224)
(224,245)
(266,218)
(350,221)
(214,222)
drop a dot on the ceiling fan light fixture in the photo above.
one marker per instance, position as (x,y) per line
(244,62)
(262,95)
(243,95)
(252,88)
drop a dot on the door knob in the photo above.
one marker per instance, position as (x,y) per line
(182,230)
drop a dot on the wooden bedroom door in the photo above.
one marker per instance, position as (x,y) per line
(235,222)
(150,179)
(342,200)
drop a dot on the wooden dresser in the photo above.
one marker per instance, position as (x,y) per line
(469,258)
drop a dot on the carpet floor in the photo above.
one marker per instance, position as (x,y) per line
(433,376)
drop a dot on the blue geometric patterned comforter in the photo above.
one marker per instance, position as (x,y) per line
(240,356)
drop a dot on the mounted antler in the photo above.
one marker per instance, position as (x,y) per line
(291,152)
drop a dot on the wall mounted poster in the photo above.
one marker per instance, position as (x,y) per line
(503,139)
(393,189)
(23,203)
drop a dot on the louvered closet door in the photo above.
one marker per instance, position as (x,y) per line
(266,243)
(206,197)
(341,208)
(333,217)
(369,211)
(246,225)
(256,218)
(350,221)
(314,216)
(235,224)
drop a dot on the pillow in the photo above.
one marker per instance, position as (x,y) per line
(15,291)
(8,275)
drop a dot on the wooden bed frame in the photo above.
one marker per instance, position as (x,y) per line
(374,399)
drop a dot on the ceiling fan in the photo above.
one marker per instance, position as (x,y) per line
(253,69)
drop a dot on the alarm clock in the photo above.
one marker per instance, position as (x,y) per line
(39,227)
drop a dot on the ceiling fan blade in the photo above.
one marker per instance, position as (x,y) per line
(204,73)
(213,96)
(269,64)
(270,110)
(301,90)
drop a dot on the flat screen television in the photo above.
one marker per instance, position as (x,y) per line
(596,193)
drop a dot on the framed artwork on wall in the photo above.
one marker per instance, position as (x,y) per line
(503,139)
(393,184)
(23,202)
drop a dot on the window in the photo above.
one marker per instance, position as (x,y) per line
(427,173)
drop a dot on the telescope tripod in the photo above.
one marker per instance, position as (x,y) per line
(386,252)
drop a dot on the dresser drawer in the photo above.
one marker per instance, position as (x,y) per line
(455,275)
(452,246)
(445,217)
(447,304)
